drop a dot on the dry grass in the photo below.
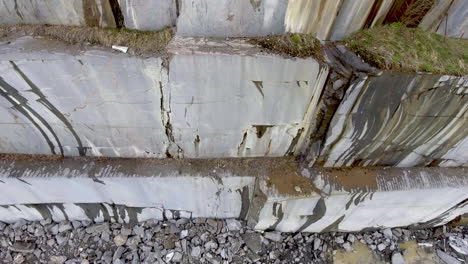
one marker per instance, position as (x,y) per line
(142,41)
(295,45)
(416,11)
(395,47)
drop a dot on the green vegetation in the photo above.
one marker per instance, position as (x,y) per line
(140,41)
(396,47)
(295,45)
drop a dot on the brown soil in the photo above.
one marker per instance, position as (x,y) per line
(286,179)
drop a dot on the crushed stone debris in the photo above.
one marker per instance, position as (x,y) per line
(207,241)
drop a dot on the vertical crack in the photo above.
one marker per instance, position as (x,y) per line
(177,5)
(166,121)
(117,12)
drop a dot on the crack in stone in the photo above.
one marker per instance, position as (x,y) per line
(166,121)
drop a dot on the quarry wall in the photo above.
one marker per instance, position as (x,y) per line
(326,19)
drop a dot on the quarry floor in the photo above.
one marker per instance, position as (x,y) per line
(203,240)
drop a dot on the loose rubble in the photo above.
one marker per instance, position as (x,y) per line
(206,241)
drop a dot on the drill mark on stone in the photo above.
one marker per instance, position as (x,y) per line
(21,180)
(95,179)
(47,104)
(259,85)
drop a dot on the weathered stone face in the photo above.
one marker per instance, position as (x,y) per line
(57,12)
(400,120)
(231,17)
(206,105)
(326,19)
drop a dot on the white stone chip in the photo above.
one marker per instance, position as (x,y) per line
(120,48)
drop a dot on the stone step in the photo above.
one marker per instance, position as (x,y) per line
(270,193)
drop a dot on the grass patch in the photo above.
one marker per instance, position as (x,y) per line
(396,47)
(140,41)
(295,45)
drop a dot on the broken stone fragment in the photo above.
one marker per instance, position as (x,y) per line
(22,247)
(120,240)
(274,236)
(447,258)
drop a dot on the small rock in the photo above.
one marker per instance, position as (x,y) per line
(177,257)
(212,223)
(253,242)
(381,247)
(118,253)
(120,240)
(183,234)
(107,257)
(169,243)
(125,231)
(64,227)
(397,258)
(132,242)
(57,259)
(173,229)
(50,242)
(347,246)
(98,229)
(447,258)
(397,232)
(388,233)
(317,243)
(139,231)
(351,238)
(210,245)
(18,224)
(22,247)
(459,245)
(233,225)
(18,259)
(339,240)
(169,256)
(274,236)
(61,239)
(54,229)
(195,252)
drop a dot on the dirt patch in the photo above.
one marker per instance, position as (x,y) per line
(286,178)
(351,179)
(295,45)
(139,41)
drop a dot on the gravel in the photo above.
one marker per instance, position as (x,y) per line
(205,241)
